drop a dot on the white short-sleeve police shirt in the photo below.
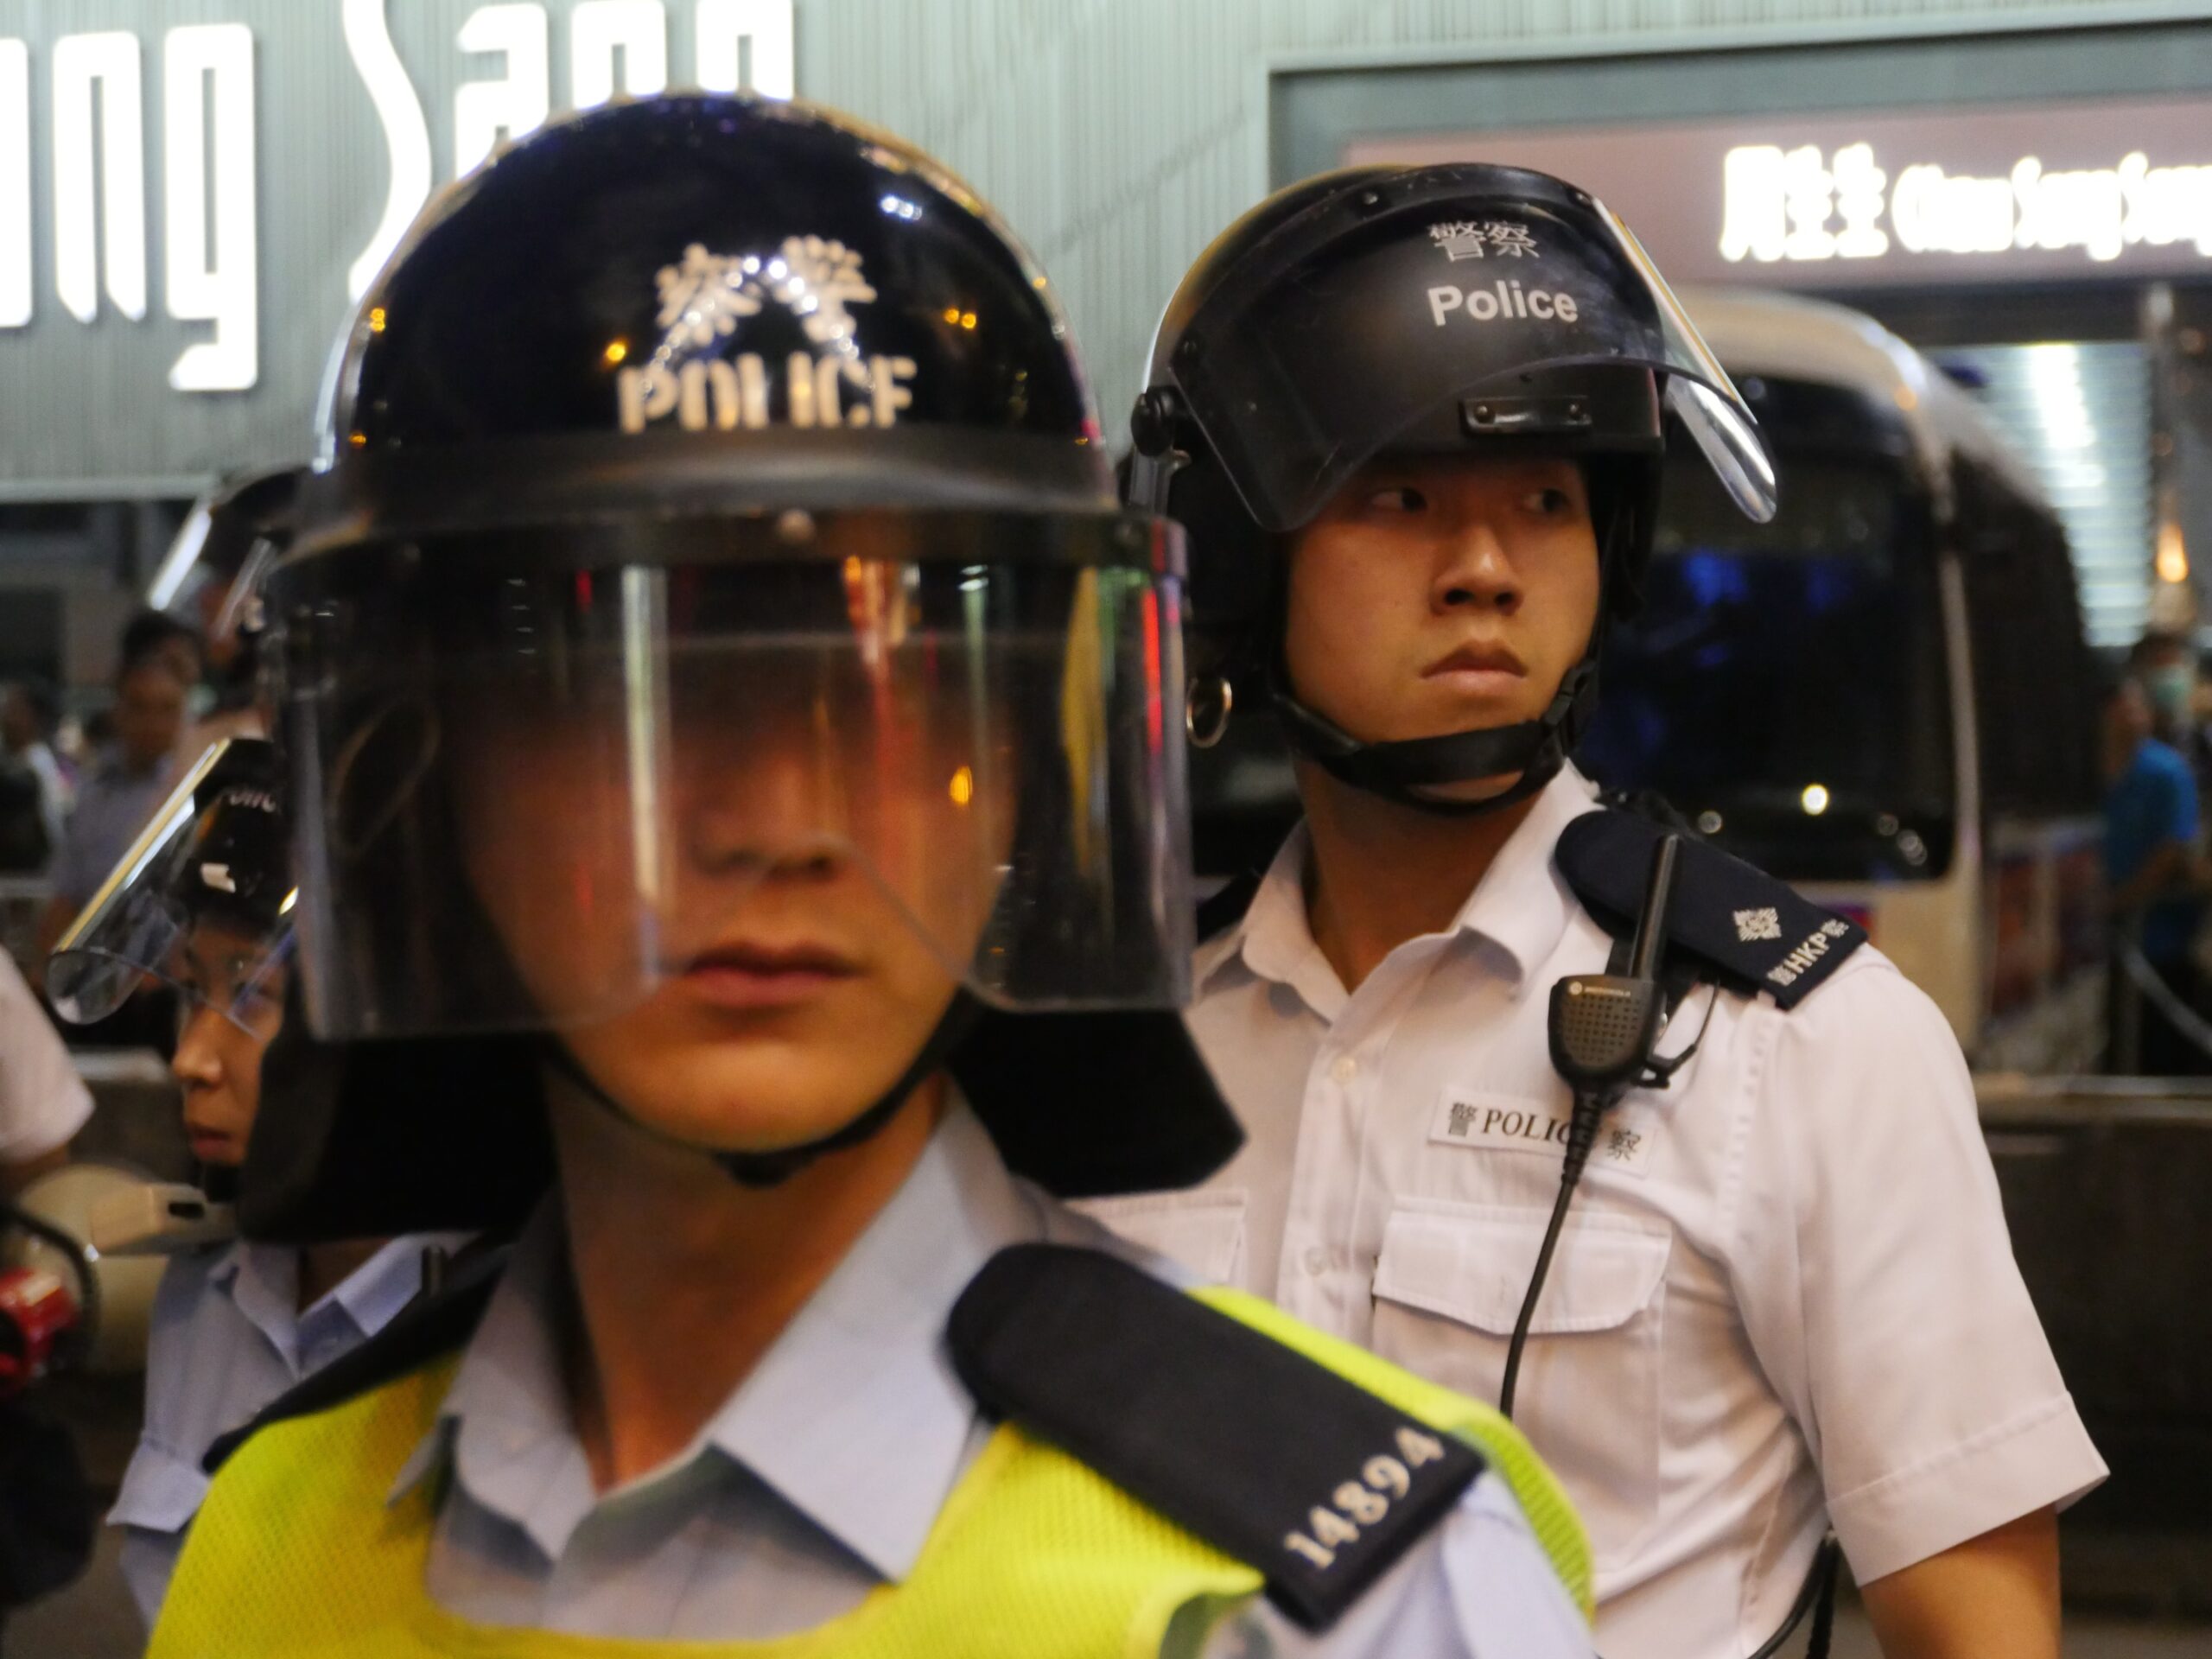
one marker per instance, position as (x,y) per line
(43,1102)
(1785,1291)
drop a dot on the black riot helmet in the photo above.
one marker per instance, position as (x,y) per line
(203,899)
(1460,309)
(228,539)
(714,462)
(218,557)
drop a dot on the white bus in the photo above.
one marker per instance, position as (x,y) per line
(1885,695)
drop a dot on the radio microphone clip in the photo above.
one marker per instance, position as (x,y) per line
(1603,1028)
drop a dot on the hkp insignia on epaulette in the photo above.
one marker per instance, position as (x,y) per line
(1748,930)
(1252,1447)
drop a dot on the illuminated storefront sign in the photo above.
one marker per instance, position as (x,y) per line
(163,182)
(1972,194)
(1799,204)
(97,101)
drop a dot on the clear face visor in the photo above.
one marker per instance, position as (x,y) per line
(201,902)
(542,773)
(1700,394)
(1298,386)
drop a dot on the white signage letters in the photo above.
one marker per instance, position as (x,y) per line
(209,96)
(406,134)
(597,29)
(739,44)
(100,69)
(731,30)
(1780,205)
(211,280)
(1933,213)
(487,112)
(17,281)
(99,189)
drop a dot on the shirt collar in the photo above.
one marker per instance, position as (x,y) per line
(1521,906)
(504,1424)
(1522,903)
(854,1416)
(263,1281)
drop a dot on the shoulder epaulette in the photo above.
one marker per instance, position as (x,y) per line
(425,1330)
(1244,1443)
(1747,929)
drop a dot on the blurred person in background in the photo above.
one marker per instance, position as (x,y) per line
(2164,663)
(30,830)
(236,1323)
(158,636)
(2153,873)
(34,793)
(81,742)
(43,1102)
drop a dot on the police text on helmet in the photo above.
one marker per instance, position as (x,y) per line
(1504,298)
(706,297)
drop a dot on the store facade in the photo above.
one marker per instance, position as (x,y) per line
(192,194)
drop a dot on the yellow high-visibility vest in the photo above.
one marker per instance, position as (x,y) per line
(297,1555)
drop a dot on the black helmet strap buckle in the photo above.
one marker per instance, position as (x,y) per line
(1154,455)
(1409,770)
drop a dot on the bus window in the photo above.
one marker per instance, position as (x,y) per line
(1784,683)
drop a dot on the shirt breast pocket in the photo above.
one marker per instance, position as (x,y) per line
(1201,1232)
(1448,1286)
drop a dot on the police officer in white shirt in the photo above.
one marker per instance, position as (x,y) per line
(1412,418)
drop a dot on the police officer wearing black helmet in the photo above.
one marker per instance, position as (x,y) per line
(1741,1273)
(203,902)
(730,721)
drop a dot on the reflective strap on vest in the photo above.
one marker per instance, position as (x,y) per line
(1543,1500)
(299,1551)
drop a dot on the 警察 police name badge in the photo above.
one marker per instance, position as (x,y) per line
(1467,1117)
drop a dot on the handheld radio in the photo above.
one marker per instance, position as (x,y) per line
(1603,1029)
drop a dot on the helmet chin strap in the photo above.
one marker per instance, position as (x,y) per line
(768,1169)
(1409,772)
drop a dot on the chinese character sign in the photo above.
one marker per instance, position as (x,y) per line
(1805,206)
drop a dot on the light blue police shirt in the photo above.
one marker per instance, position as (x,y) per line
(821,1477)
(227,1339)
